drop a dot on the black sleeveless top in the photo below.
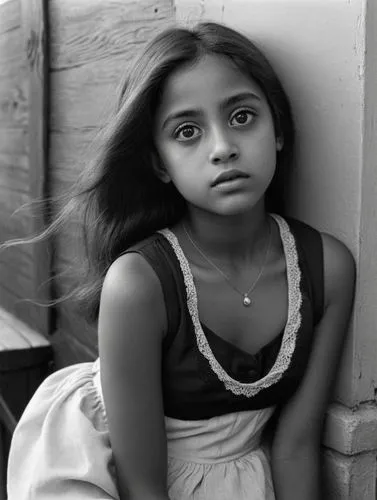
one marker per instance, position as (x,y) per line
(204,375)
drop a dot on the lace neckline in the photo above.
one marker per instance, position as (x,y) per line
(291,329)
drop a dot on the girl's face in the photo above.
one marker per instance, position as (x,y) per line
(215,137)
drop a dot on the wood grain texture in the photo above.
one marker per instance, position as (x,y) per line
(83,97)
(14,171)
(10,16)
(13,76)
(14,140)
(19,257)
(34,25)
(17,288)
(13,86)
(14,160)
(16,262)
(85,32)
(92,45)
(69,154)
(91,48)
(14,280)
(16,266)
(14,226)
(11,49)
(13,103)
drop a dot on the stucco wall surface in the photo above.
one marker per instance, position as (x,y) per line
(318,49)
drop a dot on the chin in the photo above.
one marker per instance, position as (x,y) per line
(237,207)
(230,206)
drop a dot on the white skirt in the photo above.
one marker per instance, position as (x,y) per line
(61,448)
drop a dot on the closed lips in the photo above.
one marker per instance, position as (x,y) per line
(229,175)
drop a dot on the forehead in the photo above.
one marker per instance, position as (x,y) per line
(205,83)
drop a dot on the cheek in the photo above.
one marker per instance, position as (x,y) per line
(263,157)
(268,143)
(185,181)
(170,155)
(181,162)
(270,162)
(261,148)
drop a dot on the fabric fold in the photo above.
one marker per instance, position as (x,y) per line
(61,443)
(61,447)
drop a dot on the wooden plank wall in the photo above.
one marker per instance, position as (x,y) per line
(92,44)
(35,43)
(23,154)
(16,264)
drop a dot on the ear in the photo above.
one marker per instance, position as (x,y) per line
(279,143)
(159,169)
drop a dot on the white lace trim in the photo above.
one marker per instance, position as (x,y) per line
(290,332)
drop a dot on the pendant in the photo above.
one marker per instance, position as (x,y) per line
(246,301)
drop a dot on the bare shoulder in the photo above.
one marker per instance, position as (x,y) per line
(131,273)
(339,269)
(131,289)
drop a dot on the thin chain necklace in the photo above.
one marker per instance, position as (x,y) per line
(245,295)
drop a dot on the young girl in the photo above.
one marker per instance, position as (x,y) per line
(214,312)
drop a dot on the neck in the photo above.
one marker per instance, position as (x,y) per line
(229,238)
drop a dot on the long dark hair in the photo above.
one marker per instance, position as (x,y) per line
(121,199)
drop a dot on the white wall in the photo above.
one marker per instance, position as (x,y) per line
(318,49)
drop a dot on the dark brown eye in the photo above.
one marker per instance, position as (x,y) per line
(187,132)
(242,117)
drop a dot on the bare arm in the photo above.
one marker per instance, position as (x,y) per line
(132,322)
(296,445)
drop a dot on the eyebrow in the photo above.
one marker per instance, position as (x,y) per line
(195,112)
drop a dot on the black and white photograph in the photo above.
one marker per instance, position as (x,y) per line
(188,249)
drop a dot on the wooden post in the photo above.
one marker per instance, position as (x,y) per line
(34,23)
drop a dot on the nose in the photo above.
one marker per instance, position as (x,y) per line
(223,148)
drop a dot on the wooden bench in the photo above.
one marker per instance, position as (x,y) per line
(25,360)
